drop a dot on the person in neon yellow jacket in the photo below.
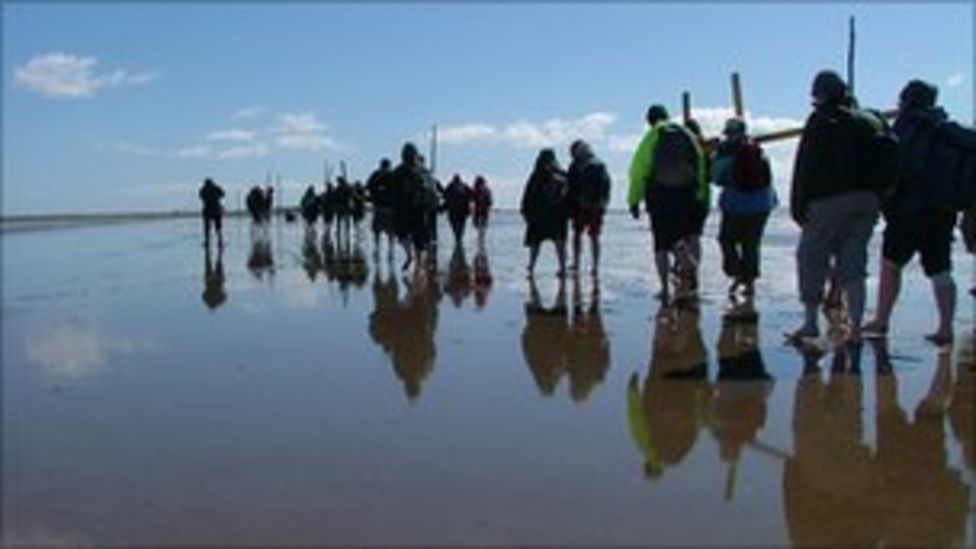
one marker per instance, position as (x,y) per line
(668,172)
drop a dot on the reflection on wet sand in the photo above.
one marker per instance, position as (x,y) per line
(736,408)
(666,416)
(837,491)
(345,263)
(482,276)
(405,329)
(260,261)
(214,294)
(554,345)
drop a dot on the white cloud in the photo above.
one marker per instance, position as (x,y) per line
(303,131)
(59,75)
(528,134)
(76,350)
(233,134)
(955,80)
(125,147)
(198,151)
(256,150)
(249,112)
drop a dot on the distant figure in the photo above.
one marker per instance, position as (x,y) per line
(457,198)
(267,204)
(410,211)
(213,212)
(740,167)
(358,204)
(667,172)
(588,195)
(920,216)
(327,206)
(255,204)
(380,190)
(343,203)
(433,203)
(309,207)
(482,206)
(833,202)
(545,210)
(214,294)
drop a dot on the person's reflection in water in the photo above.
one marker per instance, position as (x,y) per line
(828,482)
(383,320)
(214,294)
(666,417)
(260,260)
(346,264)
(737,407)
(545,338)
(589,348)
(415,326)
(920,500)
(459,279)
(962,409)
(311,257)
(330,259)
(482,276)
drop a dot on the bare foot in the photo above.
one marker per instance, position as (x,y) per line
(802,333)
(874,330)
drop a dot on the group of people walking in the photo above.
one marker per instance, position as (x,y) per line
(850,168)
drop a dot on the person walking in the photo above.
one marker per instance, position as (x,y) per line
(482,206)
(379,187)
(920,216)
(834,202)
(741,169)
(667,172)
(544,209)
(458,197)
(588,195)
(213,211)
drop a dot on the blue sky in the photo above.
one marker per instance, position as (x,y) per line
(121,107)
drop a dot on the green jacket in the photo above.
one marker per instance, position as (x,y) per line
(642,167)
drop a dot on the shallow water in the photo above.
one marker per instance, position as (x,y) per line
(297,393)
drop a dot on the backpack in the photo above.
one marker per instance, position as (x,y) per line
(675,158)
(591,179)
(552,194)
(945,152)
(874,148)
(751,171)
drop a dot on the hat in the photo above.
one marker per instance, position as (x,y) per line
(918,94)
(656,113)
(734,126)
(828,87)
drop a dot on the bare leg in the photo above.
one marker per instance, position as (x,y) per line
(944,288)
(533,256)
(889,286)
(595,249)
(577,246)
(561,255)
(663,263)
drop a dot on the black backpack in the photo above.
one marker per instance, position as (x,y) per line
(675,158)
(751,170)
(873,148)
(944,152)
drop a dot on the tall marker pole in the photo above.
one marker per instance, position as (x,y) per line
(850,55)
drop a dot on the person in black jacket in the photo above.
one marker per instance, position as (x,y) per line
(834,204)
(589,193)
(213,212)
(544,209)
(919,217)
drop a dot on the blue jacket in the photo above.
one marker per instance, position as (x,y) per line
(733,200)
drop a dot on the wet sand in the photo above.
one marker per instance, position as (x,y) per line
(290,391)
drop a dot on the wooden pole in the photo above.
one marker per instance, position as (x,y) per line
(433,149)
(686,106)
(794,132)
(737,95)
(850,55)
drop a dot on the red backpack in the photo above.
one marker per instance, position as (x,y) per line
(751,171)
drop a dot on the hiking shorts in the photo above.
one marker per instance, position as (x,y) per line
(383,221)
(590,219)
(674,216)
(928,232)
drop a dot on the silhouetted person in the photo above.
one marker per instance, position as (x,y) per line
(358,205)
(740,167)
(588,196)
(213,212)
(310,206)
(458,197)
(311,255)
(667,173)
(328,206)
(380,188)
(482,276)
(255,204)
(545,209)
(666,415)
(588,356)
(545,338)
(410,211)
(482,206)
(344,197)
(214,294)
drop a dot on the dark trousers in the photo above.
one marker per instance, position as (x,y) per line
(739,236)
